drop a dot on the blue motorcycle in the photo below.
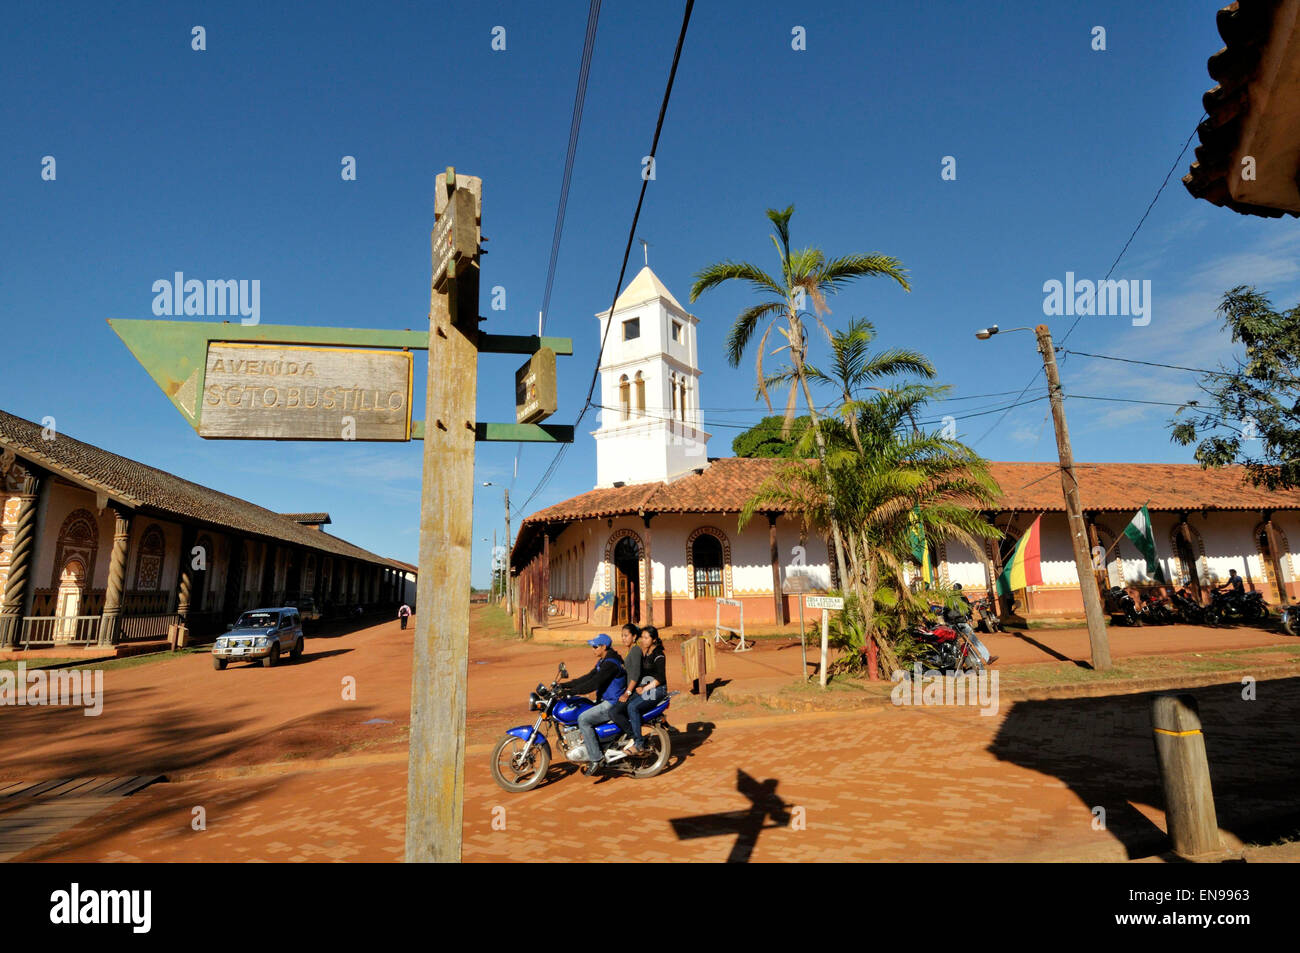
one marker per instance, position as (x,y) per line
(521,759)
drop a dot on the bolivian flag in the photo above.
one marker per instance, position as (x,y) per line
(1024,567)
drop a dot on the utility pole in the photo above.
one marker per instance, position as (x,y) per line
(1074,509)
(492,590)
(505,570)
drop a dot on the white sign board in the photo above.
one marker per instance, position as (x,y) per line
(824,602)
(729,602)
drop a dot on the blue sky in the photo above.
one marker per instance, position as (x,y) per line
(225,163)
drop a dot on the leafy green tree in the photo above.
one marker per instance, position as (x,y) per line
(764,438)
(806,276)
(1253,415)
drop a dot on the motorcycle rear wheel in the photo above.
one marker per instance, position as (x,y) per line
(504,771)
(1211,615)
(661,749)
(1288,624)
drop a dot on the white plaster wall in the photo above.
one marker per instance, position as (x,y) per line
(750,554)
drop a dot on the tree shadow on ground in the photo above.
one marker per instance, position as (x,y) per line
(1103,749)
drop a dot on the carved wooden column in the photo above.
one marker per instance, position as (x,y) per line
(20,561)
(649,573)
(778,603)
(185,579)
(110,621)
(546,577)
(1280,594)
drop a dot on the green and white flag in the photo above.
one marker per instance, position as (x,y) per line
(1139,531)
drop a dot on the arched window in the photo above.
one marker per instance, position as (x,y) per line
(148,565)
(672,388)
(640,395)
(681,402)
(624,397)
(706,560)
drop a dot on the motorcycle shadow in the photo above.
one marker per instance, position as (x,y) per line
(684,741)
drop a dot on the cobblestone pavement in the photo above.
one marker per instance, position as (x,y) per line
(886,784)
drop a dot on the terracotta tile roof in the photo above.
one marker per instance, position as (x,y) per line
(1246,28)
(305,518)
(1126,486)
(148,489)
(728,482)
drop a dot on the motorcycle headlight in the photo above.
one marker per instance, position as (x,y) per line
(535,702)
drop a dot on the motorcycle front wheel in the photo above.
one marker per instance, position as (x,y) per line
(660,747)
(1288,624)
(512,771)
(1211,615)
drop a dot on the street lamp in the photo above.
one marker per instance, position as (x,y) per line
(505,572)
(1073,505)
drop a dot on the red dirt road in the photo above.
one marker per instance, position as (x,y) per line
(285,769)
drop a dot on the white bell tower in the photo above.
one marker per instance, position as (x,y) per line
(650,427)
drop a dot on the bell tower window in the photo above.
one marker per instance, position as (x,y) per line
(640,394)
(631,329)
(624,397)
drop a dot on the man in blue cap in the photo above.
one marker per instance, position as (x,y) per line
(607,679)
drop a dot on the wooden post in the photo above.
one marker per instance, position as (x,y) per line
(1185,774)
(435,784)
(1092,608)
(1186,532)
(826,628)
(649,574)
(778,603)
(546,577)
(1275,554)
(702,681)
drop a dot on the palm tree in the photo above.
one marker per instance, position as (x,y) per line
(878,480)
(806,275)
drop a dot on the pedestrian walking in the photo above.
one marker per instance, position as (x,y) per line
(404,613)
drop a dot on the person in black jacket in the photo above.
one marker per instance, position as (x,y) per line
(652,686)
(607,679)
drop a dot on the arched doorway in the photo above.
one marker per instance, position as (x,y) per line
(72,584)
(627,580)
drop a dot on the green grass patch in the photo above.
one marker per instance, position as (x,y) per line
(492,621)
(100,662)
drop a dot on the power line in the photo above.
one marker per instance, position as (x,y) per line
(997,423)
(1138,227)
(627,251)
(1174,367)
(575,126)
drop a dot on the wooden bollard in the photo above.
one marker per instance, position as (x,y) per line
(1185,775)
(703,680)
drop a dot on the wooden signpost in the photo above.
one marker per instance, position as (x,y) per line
(285,382)
(826,604)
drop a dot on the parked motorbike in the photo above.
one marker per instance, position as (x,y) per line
(947,648)
(986,615)
(1291,618)
(1249,607)
(1155,610)
(521,759)
(1121,607)
(1190,611)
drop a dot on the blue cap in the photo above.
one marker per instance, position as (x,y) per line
(601,639)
